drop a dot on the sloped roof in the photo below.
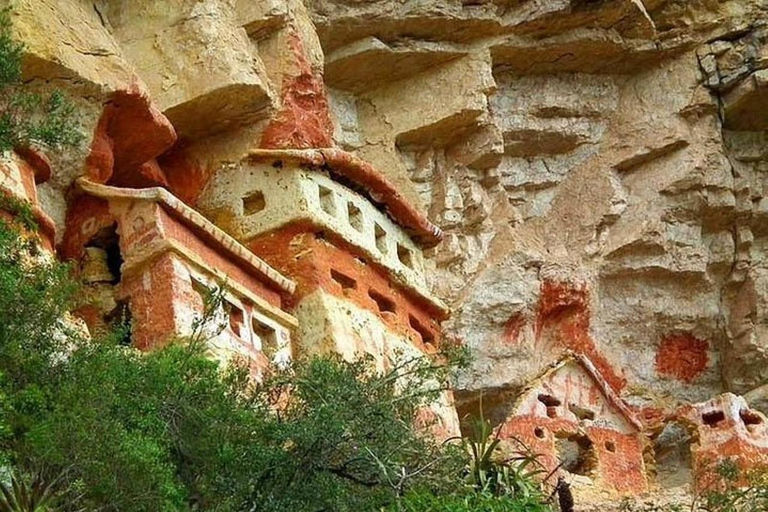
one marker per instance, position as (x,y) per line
(586,364)
(179,210)
(365,179)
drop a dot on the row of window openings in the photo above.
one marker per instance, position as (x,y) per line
(552,404)
(714,419)
(355,219)
(384,304)
(255,202)
(262,334)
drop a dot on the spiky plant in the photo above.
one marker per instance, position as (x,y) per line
(19,496)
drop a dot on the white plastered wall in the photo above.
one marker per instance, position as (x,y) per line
(291,194)
(330,324)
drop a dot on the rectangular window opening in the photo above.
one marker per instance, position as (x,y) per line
(236,318)
(381,239)
(355,217)
(405,256)
(265,338)
(327,203)
(346,282)
(385,304)
(713,419)
(427,337)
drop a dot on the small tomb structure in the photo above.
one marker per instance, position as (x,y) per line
(725,428)
(151,260)
(336,226)
(578,428)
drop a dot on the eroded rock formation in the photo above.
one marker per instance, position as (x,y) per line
(596,167)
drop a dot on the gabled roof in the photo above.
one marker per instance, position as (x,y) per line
(188,216)
(364,178)
(589,368)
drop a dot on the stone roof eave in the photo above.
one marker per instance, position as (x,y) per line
(187,215)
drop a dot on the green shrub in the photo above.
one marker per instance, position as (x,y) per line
(170,430)
(468,502)
(18,496)
(25,117)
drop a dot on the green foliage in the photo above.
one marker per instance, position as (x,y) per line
(519,475)
(738,491)
(20,210)
(170,431)
(120,430)
(349,438)
(34,296)
(27,118)
(493,483)
(470,502)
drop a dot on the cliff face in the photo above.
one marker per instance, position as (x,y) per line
(599,168)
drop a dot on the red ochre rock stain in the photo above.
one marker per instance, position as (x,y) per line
(186,176)
(130,134)
(512,329)
(682,357)
(563,320)
(304,120)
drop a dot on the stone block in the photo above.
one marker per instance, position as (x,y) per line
(198,63)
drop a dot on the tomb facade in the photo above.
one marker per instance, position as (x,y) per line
(725,428)
(578,428)
(353,245)
(148,258)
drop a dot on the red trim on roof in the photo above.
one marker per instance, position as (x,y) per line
(371,182)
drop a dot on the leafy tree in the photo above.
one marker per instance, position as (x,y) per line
(349,436)
(27,118)
(35,295)
(171,431)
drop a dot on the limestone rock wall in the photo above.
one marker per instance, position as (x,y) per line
(598,167)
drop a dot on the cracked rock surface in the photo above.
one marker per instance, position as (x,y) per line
(599,168)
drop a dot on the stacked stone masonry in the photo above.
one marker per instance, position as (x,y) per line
(575,190)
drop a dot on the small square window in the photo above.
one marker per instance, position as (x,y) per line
(254,202)
(381,239)
(427,337)
(236,318)
(355,217)
(346,282)
(325,195)
(385,304)
(264,338)
(405,255)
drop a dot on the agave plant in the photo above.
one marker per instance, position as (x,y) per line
(520,474)
(22,497)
